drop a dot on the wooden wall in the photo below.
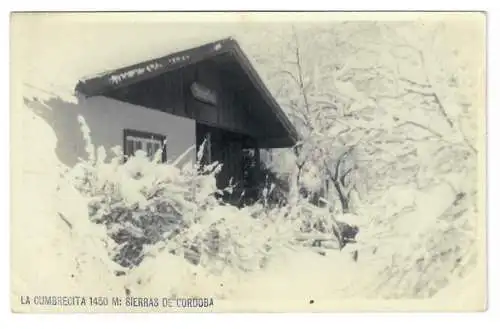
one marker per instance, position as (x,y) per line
(230,112)
(171,93)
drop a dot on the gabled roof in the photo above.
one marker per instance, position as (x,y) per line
(108,81)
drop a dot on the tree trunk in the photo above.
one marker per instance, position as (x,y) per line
(344,201)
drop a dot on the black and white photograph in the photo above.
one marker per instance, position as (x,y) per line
(248,162)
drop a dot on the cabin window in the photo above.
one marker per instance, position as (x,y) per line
(150,143)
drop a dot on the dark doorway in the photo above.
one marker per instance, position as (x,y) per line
(227,148)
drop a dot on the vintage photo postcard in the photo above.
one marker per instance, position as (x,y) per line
(248,162)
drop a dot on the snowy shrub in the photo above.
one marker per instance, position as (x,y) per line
(149,207)
(315,225)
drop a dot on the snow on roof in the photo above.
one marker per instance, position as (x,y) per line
(56,52)
(94,85)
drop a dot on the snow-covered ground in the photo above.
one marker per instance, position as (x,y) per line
(50,257)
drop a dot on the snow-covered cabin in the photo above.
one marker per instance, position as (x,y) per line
(208,92)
